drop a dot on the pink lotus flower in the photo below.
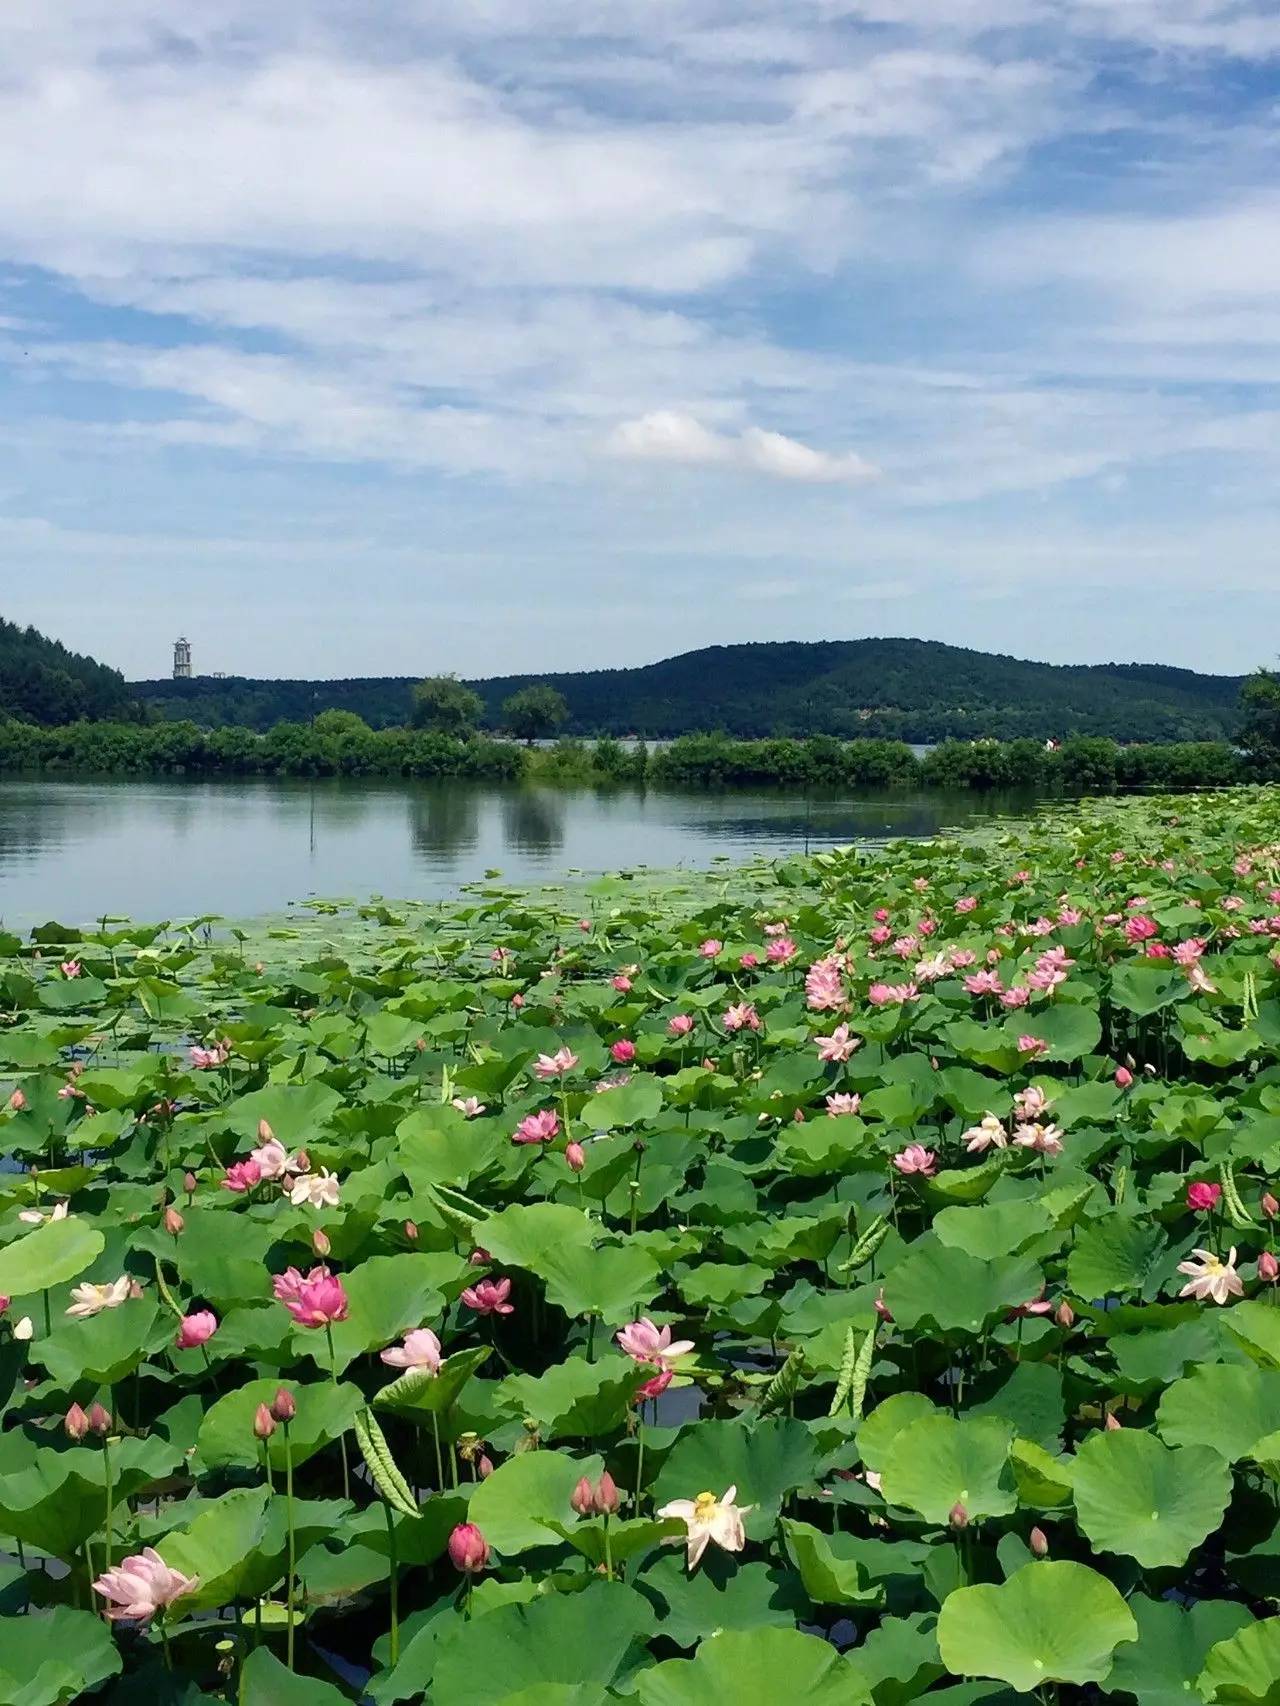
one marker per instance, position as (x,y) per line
(779,928)
(891,994)
(1123,1078)
(984,983)
(203,1059)
(196,1330)
(882,915)
(967,903)
(646,1343)
(621,983)
(273,1160)
(139,1587)
(623,1051)
(319,1300)
(471,1106)
(489,1297)
(1045,1140)
(1210,1278)
(988,1132)
(1016,996)
(915,1158)
(468,1549)
(841,1104)
(71,968)
(418,1349)
(1140,928)
(906,947)
(1032,1045)
(1190,952)
(961,958)
(839,1046)
(1203,1198)
(541,1127)
(555,1065)
(288,1286)
(1068,915)
(17,1102)
(750,960)
(653,1389)
(741,1017)
(710,948)
(708,1519)
(824,989)
(1199,981)
(880,935)
(241,1176)
(1268,1268)
(575,1157)
(1030,1103)
(781,951)
(680,1024)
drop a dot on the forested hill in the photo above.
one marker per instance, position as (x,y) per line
(915,690)
(42,682)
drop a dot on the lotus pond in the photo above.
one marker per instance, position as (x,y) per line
(846,1280)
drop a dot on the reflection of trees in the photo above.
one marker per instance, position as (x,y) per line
(444,818)
(533,820)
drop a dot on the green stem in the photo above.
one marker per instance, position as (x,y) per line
(106,1463)
(435,1435)
(289,1584)
(342,1437)
(164,1642)
(48,1320)
(608,1553)
(395,1584)
(635,1507)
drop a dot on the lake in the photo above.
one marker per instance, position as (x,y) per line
(74,850)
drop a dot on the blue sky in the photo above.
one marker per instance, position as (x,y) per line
(515,334)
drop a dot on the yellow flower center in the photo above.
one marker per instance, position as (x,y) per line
(1215,1266)
(704,1504)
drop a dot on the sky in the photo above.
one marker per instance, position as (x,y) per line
(508,335)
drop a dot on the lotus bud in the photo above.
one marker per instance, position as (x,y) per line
(283,1407)
(1112,1422)
(302,1161)
(576,1157)
(958,1516)
(173,1221)
(4,1302)
(17,1102)
(264,1423)
(1124,1078)
(265,1133)
(1039,1543)
(468,1549)
(1064,1314)
(24,1329)
(479,1257)
(411,1231)
(99,1420)
(606,1495)
(76,1423)
(421,1045)
(189,1183)
(882,1308)
(1270,1207)
(320,1242)
(582,1499)
(1268,1267)
(484,1466)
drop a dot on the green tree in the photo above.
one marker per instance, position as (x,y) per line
(535,711)
(1260,733)
(445,704)
(340,723)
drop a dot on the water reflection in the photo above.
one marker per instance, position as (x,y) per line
(243,847)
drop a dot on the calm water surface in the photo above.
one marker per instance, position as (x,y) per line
(76,850)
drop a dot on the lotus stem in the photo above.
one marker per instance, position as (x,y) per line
(292,1542)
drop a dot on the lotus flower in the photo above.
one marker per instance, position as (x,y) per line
(92,1299)
(196,1330)
(468,1549)
(139,1587)
(646,1343)
(1210,1278)
(839,1046)
(680,1024)
(741,1017)
(555,1065)
(915,1158)
(241,1176)
(317,1190)
(708,1519)
(489,1297)
(537,1128)
(419,1349)
(273,1160)
(988,1132)
(471,1106)
(319,1300)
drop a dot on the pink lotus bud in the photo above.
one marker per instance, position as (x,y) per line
(517,1001)
(1268,1267)
(1039,1543)
(17,1102)
(1064,1314)
(421,1045)
(5,1301)
(623,1051)
(264,1423)
(1112,1422)
(173,1221)
(468,1549)
(1270,1207)
(99,1419)
(484,1467)
(1124,1078)
(189,1183)
(76,1423)
(265,1133)
(882,1308)
(196,1329)
(283,1407)
(576,1156)
(320,1242)
(411,1231)
(582,1499)
(1202,1198)
(606,1495)
(302,1161)
(958,1516)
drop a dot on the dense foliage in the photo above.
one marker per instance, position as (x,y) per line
(1260,729)
(853,1281)
(913,690)
(340,744)
(43,682)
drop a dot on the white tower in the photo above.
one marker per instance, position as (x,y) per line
(182,660)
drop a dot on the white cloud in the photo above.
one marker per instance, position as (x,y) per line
(666,435)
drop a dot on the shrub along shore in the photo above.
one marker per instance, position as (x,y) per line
(338,746)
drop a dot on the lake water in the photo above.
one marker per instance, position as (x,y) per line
(74,850)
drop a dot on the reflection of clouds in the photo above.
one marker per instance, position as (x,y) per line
(444,818)
(533,820)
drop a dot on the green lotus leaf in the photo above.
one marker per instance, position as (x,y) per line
(832,1566)
(764,1463)
(1114,1257)
(1146,1500)
(722,1594)
(54,1658)
(878,1431)
(265,1681)
(296,1113)
(993,1229)
(1146,987)
(1162,1667)
(954,1291)
(900,1658)
(574,1398)
(1256,1328)
(1050,1622)
(107,1347)
(1224,1406)
(53,1498)
(386,1296)
(524,1235)
(324,1413)
(610,1282)
(52,1254)
(1244,1668)
(757,1667)
(1031,1400)
(939,1462)
(636,1103)
(524,1493)
(238,1547)
(1043,1480)
(418,1390)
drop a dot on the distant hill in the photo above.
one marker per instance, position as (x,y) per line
(916,690)
(42,682)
